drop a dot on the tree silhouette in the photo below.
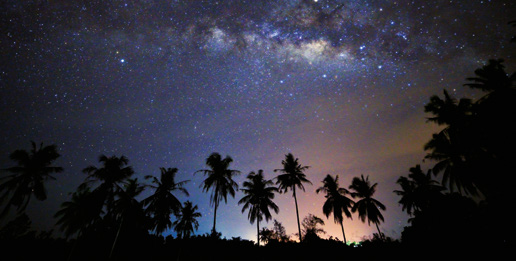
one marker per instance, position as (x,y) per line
(267,235)
(186,222)
(112,175)
(220,180)
(418,190)
(453,145)
(310,227)
(78,214)
(128,211)
(478,137)
(494,127)
(17,228)
(367,207)
(163,203)
(336,201)
(280,231)
(33,168)
(291,178)
(492,78)
(259,194)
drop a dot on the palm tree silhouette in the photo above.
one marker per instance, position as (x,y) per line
(259,194)
(494,127)
(453,146)
(219,180)
(492,78)
(77,215)
(112,175)
(186,222)
(128,210)
(336,201)
(418,190)
(291,178)
(163,203)
(33,168)
(367,207)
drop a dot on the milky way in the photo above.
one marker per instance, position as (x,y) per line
(340,84)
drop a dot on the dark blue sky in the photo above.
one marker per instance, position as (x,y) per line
(340,84)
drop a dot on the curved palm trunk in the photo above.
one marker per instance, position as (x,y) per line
(379,233)
(297,214)
(343,234)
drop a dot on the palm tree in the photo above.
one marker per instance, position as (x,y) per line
(33,169)
(367,207)
(292,176)
(219,180)
(494,128)
(129,211)
(77,215)
(492,78)
(163,203)
(418,190)
(336,201)
(259,194)
(112,175)
(455,145)
(186,222)
(449,111)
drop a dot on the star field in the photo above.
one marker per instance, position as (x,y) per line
(340,84)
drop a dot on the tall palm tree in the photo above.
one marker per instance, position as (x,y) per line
(220,180)
(186,222)
(292,176)
(163,203)
(336,201)
(259,194)
(367,207)
(33,168)
(112,175)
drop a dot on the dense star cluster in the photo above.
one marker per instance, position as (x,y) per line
(340,84)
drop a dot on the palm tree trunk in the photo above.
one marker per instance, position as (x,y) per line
(116,238)
(379,233)
(343,234)
(74,245)
(297,214)
(215,212)
(258,231)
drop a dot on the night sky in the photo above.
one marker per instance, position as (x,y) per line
(340,84)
